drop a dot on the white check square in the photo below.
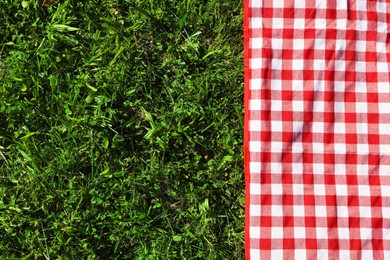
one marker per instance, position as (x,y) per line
(364,190)
(365,212)
(383,87)
(343,234)
(256,3)
(255,210)
(318,148)
(381,47)
(255,84)
(381,7)
(365,234)
(277,254)
(362,128)
(339,107)
(298,44)
(299,4)
(277,188)
(323,254)
(255,167)
(299,211)
(299,23)
(320,44)
(298,105)
(277,4)
(319,190)
(276,64)
(254,125)
(276,167)
(319,106)
(277,43)
(254,146)
(299,232)
(341,5)
(322,233)
(255,63)
(297,85)
(361,5)
(256,43)
(255,188)
(319,85)
(341,24)
(298,188)
(339,65)
(297,148)
(298,65)
(385,189)
(382,27)
(276,210)
(341,190)
(321,4)
(344,254)
(277,23)
(255,104)
(361,107)
(300,253)
(384,149)
(367,254)
(277,232)
(360,46)
(339,128)
(342,211)
(318,168)
(256,23)
(360,66)
(255,254)
(363,149)
(318,127)
(340,148)
(276,84)
(276,126)
(361,87)
(340,169)
(254,232)
(361,25)
(382,67)
(321,211)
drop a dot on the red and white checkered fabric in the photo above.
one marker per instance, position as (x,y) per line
(317,129)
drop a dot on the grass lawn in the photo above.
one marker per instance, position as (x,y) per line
(121,128)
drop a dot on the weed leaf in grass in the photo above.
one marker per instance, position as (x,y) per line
(64,28)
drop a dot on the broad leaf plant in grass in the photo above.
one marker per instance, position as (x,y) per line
(121,129)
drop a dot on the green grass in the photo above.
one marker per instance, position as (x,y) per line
(121,128)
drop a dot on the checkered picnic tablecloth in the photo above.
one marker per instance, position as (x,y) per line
(317,129)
